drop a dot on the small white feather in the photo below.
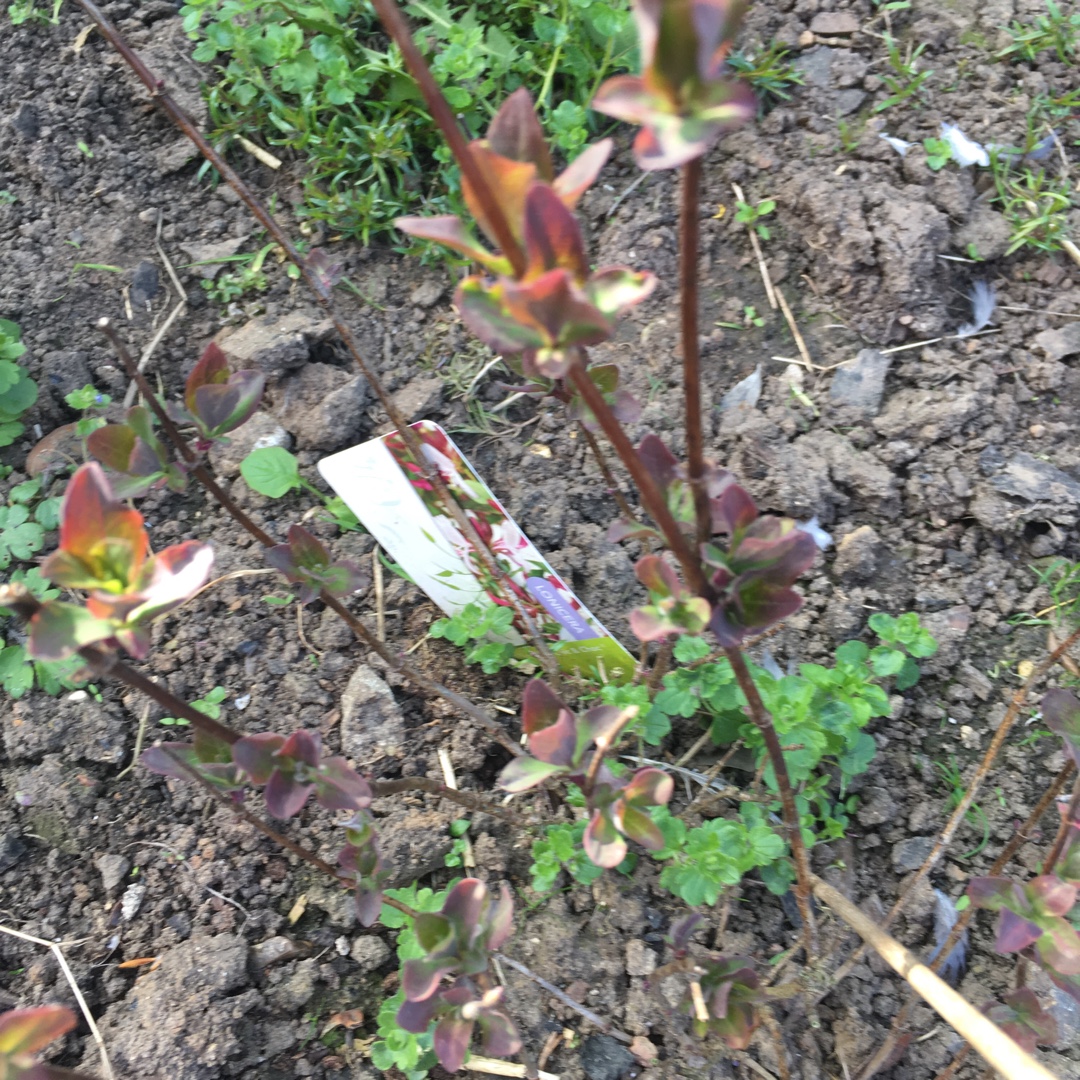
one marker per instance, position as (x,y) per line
(901,146)
(983,300)
(813,527)
(965,151)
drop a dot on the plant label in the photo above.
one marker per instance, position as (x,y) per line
(385,488)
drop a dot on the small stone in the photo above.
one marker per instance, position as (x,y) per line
(113,870)
(604,1058)
(275,950)
(910,853)
(372,724)
(297,988)
(806,39)
(831,23)
(640,959)
(420,398)
(324,407)
(1059,343)
(427,294)
(860,385)
(370,952)
(27,122)
(645,1052)
(274,346)
(877,807)
(131,901)
(986,232)
(12,850)
(858,555)
(745,394)
(203,253)
(144,284)
(1026,477)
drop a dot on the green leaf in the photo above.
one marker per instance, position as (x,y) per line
(16,671)
(853,653)
(886,662)
(271,471)
(689,649)
(908,675)
(857,759)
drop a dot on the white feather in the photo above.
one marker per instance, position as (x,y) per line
(965,151)
(813,527)
(901,146)
(983,300)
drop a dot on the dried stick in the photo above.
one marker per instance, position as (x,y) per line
(372,640)
(890,1043)
(496,1067)
(476,803)
(793,326)
(964,805)
(762,265)
(763,721)
(773,1028)
(604,1025)
(691,347)
(990,1041)
(323,299)
(56,948)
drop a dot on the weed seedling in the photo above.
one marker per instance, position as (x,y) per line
(17,390)
(906,81)
(209,705)
(753,215)
(1035,205)
(1055,30)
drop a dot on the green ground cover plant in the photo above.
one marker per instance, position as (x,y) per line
(322,81)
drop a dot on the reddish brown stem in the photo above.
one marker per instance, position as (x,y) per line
(608,475)
(202,474)
(651,496)
(691,349)
(1065,825)
(104,662)
(323,299)
(245,815)
(396,26)
(604,1025)
(467,799)
(763,721)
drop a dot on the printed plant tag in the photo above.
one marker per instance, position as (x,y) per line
(385,488)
